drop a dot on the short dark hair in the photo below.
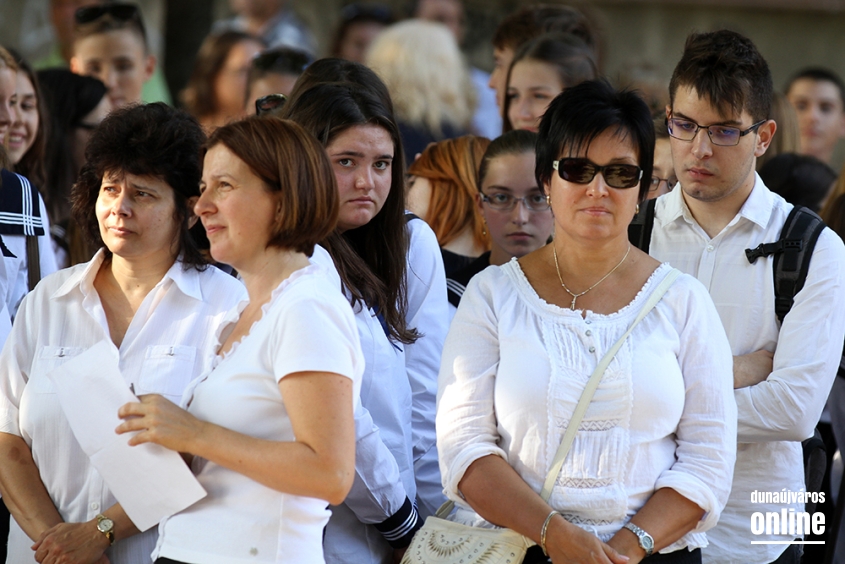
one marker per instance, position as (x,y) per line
(278,60)
(819,74)
(333,69)
(356,13)
(569,55)
(108,22)
(371,259)
(727,69)
(580,114)
(295,169)
(144,140)
(513,142)
(198,96)
(801,179)
(527,23)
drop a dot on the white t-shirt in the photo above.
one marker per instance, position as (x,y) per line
(169,342)
(306,326)
(779,412)
(513,370)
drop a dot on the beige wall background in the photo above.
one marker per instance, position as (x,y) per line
(641,38)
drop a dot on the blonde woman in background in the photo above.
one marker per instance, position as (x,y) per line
(431,88)
(442,192)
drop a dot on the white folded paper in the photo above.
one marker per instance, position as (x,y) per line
(150,481)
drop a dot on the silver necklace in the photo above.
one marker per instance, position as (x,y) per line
(603,278)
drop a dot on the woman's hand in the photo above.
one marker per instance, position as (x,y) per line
(72,543)
(159,421)
(569,544)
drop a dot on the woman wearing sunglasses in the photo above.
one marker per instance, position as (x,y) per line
(658,436)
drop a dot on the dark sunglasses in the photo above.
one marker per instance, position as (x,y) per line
(121,12)
(282,60)
(582,171)
(269,103)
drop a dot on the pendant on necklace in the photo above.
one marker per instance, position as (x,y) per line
(573,302)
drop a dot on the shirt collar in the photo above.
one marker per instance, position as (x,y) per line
(757,207)
(187,281)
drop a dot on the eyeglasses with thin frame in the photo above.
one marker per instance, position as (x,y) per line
(582,171)
(722,135)
(505,202)
(656,180)
(269,103)
(117,10)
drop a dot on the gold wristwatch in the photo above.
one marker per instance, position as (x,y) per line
(106,526)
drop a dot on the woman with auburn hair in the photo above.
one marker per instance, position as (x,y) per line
(216,91)
(431,88)
(442,192)
(269,429)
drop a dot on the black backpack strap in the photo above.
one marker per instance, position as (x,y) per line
(410,216)
(640,228)
(792,253)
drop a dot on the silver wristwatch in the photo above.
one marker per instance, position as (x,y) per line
(646,542)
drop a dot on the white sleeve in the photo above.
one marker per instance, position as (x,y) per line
(428,313)
(787,405)
(706,434)
(466,420)
(15,363)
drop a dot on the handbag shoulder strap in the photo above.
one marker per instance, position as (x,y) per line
(593,384)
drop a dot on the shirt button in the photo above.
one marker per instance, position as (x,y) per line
(95,506)
(710,248)
(587,321)
(592,349)
(588,333)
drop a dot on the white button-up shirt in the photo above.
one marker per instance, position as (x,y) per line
(169,342)
(778,413)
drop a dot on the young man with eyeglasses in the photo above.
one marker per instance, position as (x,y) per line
(720,101)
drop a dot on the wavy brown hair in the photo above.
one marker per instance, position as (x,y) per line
(451,167)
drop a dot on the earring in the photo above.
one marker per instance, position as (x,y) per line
(637,210)
(484,229)
(549,199)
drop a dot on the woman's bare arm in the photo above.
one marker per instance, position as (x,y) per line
(319,463)
(497,493)
(22,489)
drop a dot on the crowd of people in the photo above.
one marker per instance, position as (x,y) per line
(339,296)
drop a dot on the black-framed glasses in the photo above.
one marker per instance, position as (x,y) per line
(656,180)
(282,60)
(582,171)
(722,135)
(118,10)
(269,103)
(505,202)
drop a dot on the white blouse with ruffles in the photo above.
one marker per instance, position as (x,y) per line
(664,415)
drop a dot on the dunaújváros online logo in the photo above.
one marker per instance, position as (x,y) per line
(788,522)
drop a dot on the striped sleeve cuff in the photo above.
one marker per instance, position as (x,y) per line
(399,528)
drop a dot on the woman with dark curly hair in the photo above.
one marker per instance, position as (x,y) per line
(148,292)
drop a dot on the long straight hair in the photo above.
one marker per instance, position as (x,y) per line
(371,259)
